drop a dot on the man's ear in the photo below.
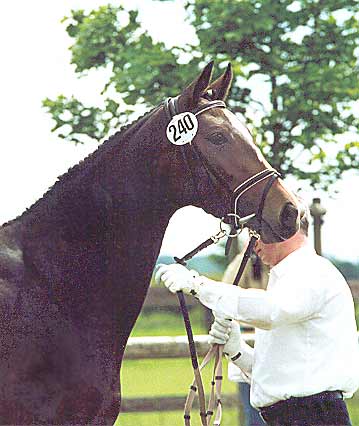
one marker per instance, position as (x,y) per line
(221,86)
(190,96)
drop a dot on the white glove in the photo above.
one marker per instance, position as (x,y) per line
(226,332)
(176,277)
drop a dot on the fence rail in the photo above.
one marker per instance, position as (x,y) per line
(168,347)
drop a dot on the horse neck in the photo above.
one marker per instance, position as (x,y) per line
(108,216)
(115,183)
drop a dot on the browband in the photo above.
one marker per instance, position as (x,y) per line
(172,107)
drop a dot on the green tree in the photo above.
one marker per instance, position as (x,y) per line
(303,55)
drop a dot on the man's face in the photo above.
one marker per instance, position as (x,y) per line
(270,254)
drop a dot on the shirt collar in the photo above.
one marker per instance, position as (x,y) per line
(292,260)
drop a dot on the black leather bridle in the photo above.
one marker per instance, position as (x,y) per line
(171,107)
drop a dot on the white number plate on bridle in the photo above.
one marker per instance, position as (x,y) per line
(182,128)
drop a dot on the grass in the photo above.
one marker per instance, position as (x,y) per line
(171,418)
(353,407)
(164,377)
(162,323)
(171,377)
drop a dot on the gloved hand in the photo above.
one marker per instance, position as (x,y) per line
(176,277)
(226,332)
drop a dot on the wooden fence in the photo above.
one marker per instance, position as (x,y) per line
(168,347)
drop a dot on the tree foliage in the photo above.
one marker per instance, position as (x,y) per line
(301,55)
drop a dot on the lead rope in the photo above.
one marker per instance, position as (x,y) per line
(197,384)
(216,351)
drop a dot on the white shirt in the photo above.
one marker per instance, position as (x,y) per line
(306,337)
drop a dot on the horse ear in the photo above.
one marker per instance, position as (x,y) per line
(221,86)
(191,95)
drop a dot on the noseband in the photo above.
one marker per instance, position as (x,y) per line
(171,106)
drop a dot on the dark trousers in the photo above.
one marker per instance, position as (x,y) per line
(325,409)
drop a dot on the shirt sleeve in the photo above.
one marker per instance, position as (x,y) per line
(235,374)
(244,360)
(259,308)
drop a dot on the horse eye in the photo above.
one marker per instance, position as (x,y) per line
(217,138)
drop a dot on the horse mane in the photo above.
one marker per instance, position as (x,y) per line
(120,136)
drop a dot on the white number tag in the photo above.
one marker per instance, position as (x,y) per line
(182,128)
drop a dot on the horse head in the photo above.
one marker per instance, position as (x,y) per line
(211,161)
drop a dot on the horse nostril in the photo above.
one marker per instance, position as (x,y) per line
(288,217)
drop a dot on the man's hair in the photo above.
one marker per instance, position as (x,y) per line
(304,221)
(304,224)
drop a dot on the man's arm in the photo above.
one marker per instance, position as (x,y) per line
(294,302)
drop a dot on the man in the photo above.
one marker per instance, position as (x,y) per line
(306,356)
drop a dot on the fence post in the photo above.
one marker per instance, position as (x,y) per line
(317,211)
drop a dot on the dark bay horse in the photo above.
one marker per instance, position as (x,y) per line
(75,267)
